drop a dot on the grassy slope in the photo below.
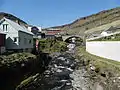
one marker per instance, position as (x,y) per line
(107,72)
(100,63)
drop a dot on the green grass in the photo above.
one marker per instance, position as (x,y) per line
(52,45)
(16,57)
(100,63)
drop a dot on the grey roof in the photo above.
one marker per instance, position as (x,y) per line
(17,26)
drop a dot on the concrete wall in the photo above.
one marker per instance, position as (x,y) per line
(106,49)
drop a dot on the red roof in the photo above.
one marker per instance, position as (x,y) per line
(53,32)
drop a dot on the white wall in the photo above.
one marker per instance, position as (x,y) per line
(29,28)
(19,44)
(106,49)
(10,34)
(40,29)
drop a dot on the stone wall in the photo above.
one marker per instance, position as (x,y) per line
(105,49)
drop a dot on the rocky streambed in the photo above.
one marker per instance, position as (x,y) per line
(63,73)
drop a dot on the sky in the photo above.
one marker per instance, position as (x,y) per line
(47,13)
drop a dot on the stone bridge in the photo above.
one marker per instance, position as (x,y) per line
(66,37)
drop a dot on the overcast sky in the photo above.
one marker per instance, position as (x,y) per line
(48,13)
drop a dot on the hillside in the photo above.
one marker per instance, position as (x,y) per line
(85,23)
(13,18)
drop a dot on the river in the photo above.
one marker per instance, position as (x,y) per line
(64,73)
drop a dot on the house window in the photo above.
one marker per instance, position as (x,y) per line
(15,39)
(5,27)
(19,39)
(25,40)
(30,41)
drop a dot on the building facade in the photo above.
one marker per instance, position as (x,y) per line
(17,37)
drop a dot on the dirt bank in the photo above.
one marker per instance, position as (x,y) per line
(17,67)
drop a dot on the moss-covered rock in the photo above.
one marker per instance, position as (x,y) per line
(16,57)
(16,67)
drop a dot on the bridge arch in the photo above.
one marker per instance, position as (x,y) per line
(67,38)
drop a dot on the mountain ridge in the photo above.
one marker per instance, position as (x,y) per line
(88,22)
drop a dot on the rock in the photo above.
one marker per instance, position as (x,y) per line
(68,84)
(61,58)
(47,76)
(92,68)
(79,82)
(114,81)
(22,65)
(47,72)
(70,69)
(61,67)
(58,70)
(64,80)
(61,75)
(55,66)
(119,78)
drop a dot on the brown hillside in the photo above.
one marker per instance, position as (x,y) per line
(83,24)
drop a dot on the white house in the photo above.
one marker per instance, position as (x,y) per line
(30,28)
(35,30)
(109,31)
(17,37)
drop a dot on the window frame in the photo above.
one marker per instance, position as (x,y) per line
(30,41)
(15,39)
(25,40)
(5,27)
